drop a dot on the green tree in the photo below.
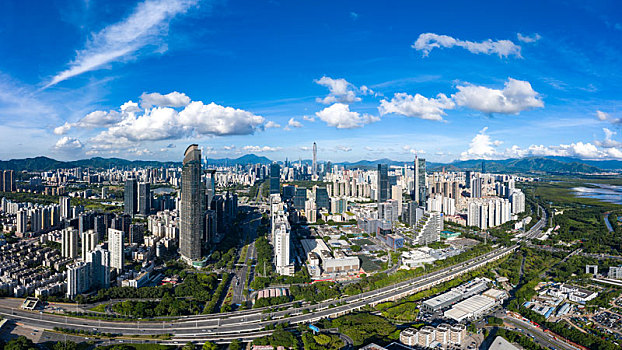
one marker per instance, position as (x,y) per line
(189,346)
(65,345)
(20,343)
(236,344)
(208,345)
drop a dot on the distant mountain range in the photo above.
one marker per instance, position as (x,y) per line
(564,165)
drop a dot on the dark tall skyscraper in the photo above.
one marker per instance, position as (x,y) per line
(130,197)
(383,183)
(192,205)
(321,198)
(275,176)
(420,187)
(467,180)
(483,166)
(300,198)
(144,198)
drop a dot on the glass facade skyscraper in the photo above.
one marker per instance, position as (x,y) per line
(383,183)
(192,206)
(275,176)
(130,197)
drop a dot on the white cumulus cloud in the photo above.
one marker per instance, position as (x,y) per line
(417,106)
(173,99)
(144,27)
(293,123)
(67,143)
(340,116)
(426,42)
(481,147)
(272,125)
(515,97)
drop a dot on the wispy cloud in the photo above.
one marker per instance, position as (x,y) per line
(145,26)
(429,41)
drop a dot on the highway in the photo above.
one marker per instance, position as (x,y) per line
(247,325)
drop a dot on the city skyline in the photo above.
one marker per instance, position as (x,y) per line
(138,81)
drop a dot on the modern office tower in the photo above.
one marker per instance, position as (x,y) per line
(99,225)
(115,246)
(275,177)
(415,213)
(383,183)
(388,211)
(65,208)
(483,166)
(89,242)
(78,279)
(22,221)
(7,183)
(136,233)
(419,181)
(467,179)
(314,159)
(144,198)
(321,198)
(99,259)
(300,198)
(69,243)
(289,192)
(130,197)
(192,206)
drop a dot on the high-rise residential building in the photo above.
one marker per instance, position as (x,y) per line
(115,246)
(130,197)
(420,188)
(314,159)
(275,177)
(78,279)
(22,221)
(144,198)
(89,242)
(99,259)
(65,208)
(192,206)
(383,183)
(7,181)
(69,242)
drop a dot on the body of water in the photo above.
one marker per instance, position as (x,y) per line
(603,192)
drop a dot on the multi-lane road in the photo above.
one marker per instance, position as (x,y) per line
(249,324)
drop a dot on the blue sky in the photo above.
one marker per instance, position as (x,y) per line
(363,79)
